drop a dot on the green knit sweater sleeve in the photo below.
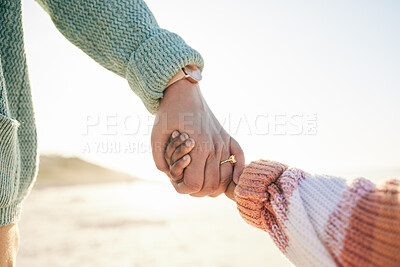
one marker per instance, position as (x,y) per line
(124,37)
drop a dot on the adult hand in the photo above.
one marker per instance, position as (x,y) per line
(183,108)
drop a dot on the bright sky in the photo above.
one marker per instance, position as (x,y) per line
(266,63)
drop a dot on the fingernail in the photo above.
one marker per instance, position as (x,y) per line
(184,136)
(189,142)
(175,134)
(186,157)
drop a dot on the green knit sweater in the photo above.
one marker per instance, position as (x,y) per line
(121,35)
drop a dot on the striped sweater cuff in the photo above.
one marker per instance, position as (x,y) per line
(155,62)
(252,196)
(319,220)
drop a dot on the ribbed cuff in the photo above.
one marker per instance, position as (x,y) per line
(251,192)
(154,63)
(10,214)
(8,128)
(9,163)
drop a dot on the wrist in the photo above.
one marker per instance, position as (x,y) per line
(181,95)
(189,72)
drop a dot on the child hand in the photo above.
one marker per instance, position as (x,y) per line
(178,158)
(177,154)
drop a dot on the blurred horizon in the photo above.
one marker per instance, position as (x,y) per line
(335,64)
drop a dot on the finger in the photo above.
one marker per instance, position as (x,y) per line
(177,169)
(193,178)
(171,147)
(225,171)
(211,177)
(182,150)
(174,135)
(158,150)
(240,164)
(230,191)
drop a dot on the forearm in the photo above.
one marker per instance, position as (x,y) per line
(124,37)
(9,239)
(322,220)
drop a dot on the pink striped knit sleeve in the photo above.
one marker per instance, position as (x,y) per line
(318,220)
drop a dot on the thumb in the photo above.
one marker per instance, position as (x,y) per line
(230,191)
(239,165)
(158,144)
(157,149)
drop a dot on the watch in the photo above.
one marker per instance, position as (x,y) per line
(189,72)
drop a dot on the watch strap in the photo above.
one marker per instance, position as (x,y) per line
(193,76)
(178,76)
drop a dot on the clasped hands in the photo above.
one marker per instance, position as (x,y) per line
(188,144)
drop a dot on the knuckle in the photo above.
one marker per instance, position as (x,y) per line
(180,191)
(210,189)
(226,180)
(194,186)
(215,195)
(182,149)
(178,151)
(180,164)
(219,147)
(172,146)
(174,160)
(174,174)
(167,151)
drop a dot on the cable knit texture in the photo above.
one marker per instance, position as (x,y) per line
(319,220)
(124,37)
(18,149)
(121,35)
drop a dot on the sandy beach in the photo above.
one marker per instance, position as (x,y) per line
(137,224)
(82,214)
